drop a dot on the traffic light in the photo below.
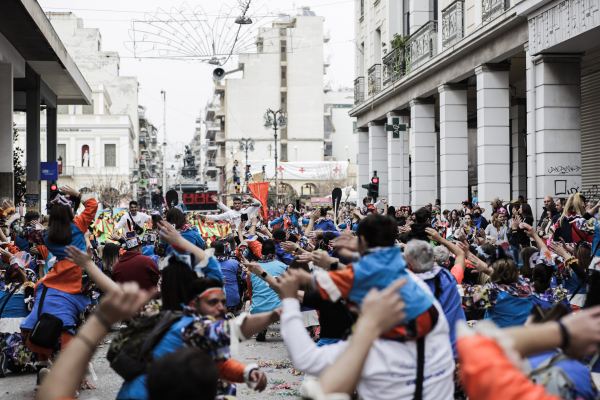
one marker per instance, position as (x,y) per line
(374,188)
(53,190)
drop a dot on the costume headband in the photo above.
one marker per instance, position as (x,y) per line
(62,200)
(210,291)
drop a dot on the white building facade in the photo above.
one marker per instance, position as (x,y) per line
(498,99)
(98,142)
(285,73)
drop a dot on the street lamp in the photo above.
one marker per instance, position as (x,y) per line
(276,120)
(247,145)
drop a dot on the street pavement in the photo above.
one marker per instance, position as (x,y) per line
(272,355)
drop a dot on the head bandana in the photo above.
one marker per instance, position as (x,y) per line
(210,291)
(60,199)
(21,259)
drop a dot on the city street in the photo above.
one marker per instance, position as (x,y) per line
(270,355)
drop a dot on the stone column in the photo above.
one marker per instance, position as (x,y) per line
(398,162)
(33,110)
(378,155)
(423,155)
(531,181)
(493,146)
(51,142)
(362,163)
(454,146)
(558,125)
(6,132)
(518,117)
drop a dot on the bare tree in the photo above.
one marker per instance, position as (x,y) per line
(110,190)
(331,176)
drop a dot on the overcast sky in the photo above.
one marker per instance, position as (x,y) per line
(189,84)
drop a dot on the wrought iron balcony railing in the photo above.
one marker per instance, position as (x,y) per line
(393,66)
(421,46)
(374,80)
(359,90)
(453,27)
(491,9)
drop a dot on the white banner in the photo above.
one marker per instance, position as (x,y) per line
(301,171)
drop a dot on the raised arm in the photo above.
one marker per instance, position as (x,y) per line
(172,237)
(82,259)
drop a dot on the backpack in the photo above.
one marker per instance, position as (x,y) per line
(130,353)
(554,379)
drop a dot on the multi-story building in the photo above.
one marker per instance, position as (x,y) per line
(497,97)
(98,143)
(150,160)
(286,72)
(340,133)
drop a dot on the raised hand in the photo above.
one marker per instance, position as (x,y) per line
(433,235)
(169,234)
(382,310)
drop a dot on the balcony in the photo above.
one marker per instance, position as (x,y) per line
(374,80)
(422,46)
(327,36)
(394,67)
(362,8)
(220,137)
(453,27)
(221,161)
(492,9)
(327,88)
(67,170)
(359,90)
(142,142)
(327,61)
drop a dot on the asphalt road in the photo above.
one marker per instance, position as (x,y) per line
(283,380)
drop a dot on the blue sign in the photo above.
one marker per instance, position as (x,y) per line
(49,171)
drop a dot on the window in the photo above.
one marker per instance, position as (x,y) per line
(61,151)
(89,109)
(283,76)
(354,125)
(282,32)
(406,19)
(284,152)
(62,109)
(283,50)
(110,155)
(328,149)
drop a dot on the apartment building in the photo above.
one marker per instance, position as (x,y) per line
(497,99)
(286,72)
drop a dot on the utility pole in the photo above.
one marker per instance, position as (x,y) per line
(164,185)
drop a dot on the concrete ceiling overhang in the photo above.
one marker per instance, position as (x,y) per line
(25,25)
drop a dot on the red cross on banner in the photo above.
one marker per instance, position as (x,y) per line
(280,168)
(302,170)
(336,170)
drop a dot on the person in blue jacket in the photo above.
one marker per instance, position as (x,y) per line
(545,295)
(229,269)
(321,222)
(190,233)
(289,218)
(279,236)
(419,258)
(506,299)
(31,219)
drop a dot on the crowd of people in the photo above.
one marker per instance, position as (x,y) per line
(373,301)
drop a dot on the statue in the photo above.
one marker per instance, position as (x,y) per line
(189,160)
(189,170)
(86,159)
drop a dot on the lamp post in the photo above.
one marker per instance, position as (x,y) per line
(276,120)
(247,145)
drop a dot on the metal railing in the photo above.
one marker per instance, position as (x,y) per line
(220,137)
(67,170)
(453,27)
(374,80)
(393,66)
(422,46)
(491,9)
(359,90)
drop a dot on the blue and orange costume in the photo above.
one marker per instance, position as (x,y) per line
(66,288)
(379,269)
